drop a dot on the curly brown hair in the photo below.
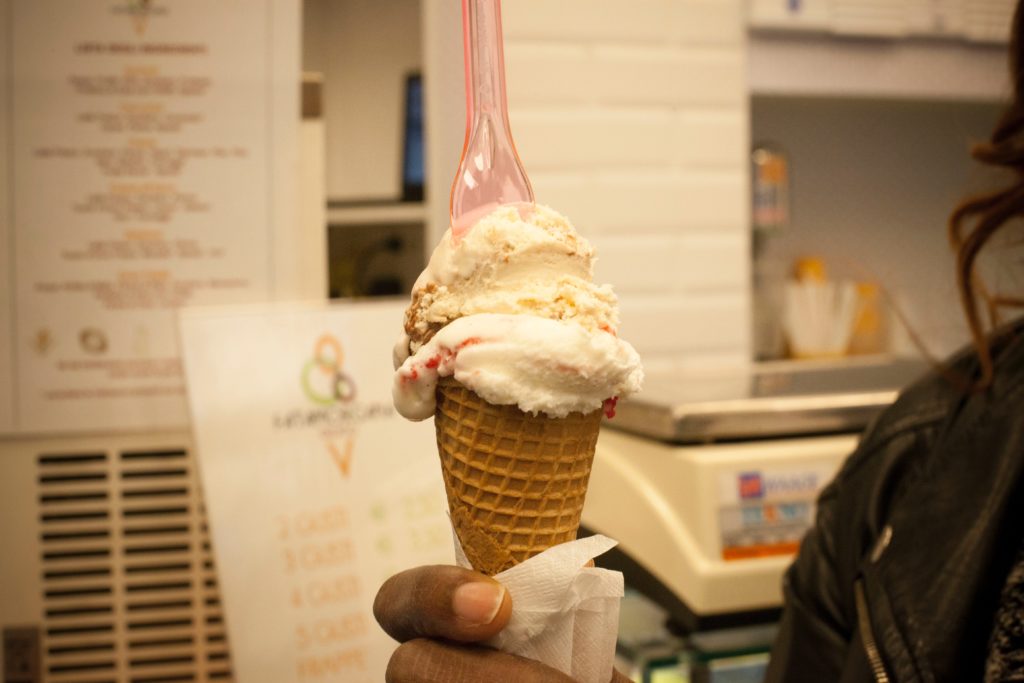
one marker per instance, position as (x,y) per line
(978,219)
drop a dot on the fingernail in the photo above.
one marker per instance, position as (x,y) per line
(478,602)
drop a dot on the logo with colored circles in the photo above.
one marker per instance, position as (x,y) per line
(324,381)
(140,12)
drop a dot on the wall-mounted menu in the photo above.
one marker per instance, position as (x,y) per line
(143,175)
(316,489)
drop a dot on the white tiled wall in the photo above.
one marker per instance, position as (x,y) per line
(632,119)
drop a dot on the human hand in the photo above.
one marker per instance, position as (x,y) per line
(439,613)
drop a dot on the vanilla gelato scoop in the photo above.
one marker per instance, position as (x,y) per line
(532,264)
(510,311)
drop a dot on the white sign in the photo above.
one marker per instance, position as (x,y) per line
(316,489)
(149,147)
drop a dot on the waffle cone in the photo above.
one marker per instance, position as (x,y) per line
(515,481)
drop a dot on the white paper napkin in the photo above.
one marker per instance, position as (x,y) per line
(564,614)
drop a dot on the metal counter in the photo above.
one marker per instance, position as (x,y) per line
(767,400)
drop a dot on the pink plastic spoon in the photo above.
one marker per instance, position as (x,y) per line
(490,173)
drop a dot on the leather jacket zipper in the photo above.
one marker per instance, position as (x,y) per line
(868,638)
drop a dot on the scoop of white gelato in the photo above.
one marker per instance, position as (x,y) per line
(543,366)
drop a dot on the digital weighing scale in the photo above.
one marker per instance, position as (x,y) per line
(709,480)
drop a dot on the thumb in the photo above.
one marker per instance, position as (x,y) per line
(442,602)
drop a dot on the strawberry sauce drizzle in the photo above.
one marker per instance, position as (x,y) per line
(445,357)
(609,406)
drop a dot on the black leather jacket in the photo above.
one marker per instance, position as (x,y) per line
(900,577)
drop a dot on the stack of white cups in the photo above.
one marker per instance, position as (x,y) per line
(819,316)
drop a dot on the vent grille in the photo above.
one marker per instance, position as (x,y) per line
(129,588)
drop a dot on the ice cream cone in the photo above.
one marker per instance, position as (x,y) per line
(515,481)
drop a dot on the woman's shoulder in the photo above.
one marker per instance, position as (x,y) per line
(928,407)
(898,449)
(909,425)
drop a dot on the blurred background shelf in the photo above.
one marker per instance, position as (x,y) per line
(374,248)
(976,21)
(361,215)
(840,66)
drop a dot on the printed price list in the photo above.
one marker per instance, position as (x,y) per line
(319,556)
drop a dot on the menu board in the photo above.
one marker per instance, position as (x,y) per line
(316,489)
(145,170)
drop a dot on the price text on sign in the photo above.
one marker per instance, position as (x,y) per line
(319,554)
